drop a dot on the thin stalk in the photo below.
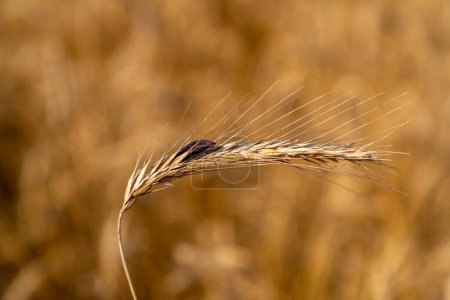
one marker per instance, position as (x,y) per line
(122,256)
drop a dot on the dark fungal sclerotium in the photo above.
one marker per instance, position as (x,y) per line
(197,149)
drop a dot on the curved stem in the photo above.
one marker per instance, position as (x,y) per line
(122,256)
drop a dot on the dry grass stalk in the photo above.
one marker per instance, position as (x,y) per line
(204,155)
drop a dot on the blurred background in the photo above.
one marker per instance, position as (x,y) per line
(86,85)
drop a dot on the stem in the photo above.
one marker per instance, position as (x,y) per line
(122,256)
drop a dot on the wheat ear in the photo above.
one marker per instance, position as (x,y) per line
(203,155)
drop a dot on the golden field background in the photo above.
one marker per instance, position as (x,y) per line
(86,85)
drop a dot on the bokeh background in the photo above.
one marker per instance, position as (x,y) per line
(86,85)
